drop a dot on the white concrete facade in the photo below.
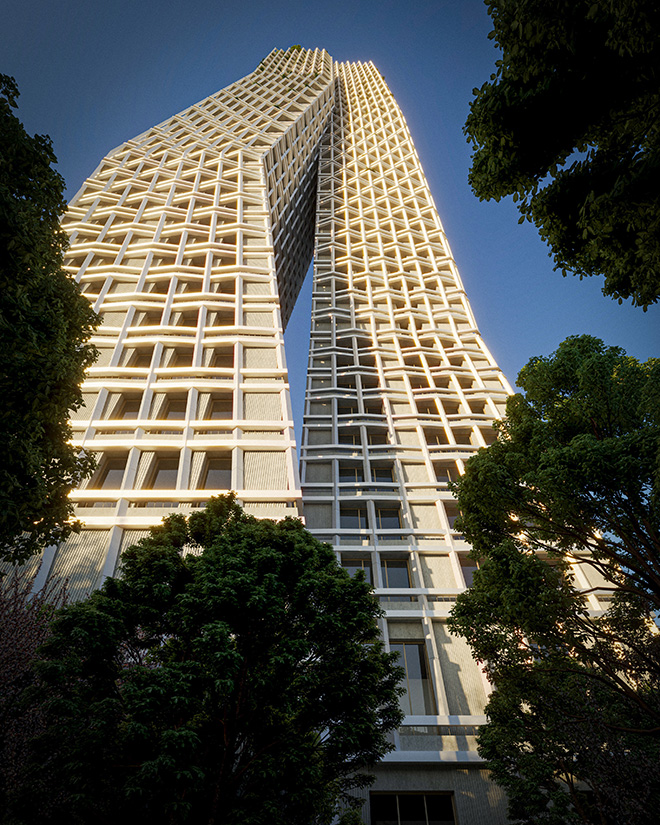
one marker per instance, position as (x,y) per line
(192,241)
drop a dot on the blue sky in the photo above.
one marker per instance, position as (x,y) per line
(94,74)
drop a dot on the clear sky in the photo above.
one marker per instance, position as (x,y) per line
(93,74)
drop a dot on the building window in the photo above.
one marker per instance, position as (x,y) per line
(469,567)
(149,319)
(353,518)
(435,437)
(418,699)
(353,565)
(373,407)
(396,573)
(388,518)
(412,809)
(218,474)
(182,357)
(139,358)
(111,474)
(377,438)
(223,358)
(445,471)
(349,437)
(350,473)
(221,408)
(164,474)
(425,407)
(130,408)
(186,319)
(347,407)
(382,473)
(176,409)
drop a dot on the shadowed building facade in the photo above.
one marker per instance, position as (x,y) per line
(192,240)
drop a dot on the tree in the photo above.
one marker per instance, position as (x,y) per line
(573,481)
(243,684)
(44,324)
(25,618)
(569,124)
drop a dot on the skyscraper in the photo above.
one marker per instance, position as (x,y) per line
(193,240)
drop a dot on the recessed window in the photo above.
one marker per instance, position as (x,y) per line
(395,572)
(445,472)
(149,319)
(139,358)
(186,319)
(377,438)
(353,565)
(347,407)
(218,474)
(373,407)
(164,474)
(223,358)
(348,436)
(388,518)
(353,518)
(350,473)
(418,699)
(436,437)
(110,474)
(221,408)
(181,357)
(176,409)
(130,408)
(469,567)
(411,809)
(382,472)
(226,287)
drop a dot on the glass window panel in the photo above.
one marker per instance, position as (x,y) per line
(418,699)
(412,810)
(395,572)
(221,408)
(223,359)
(112,474)
(140,359)
(469,568)
(353,565)
(165,472)
(384,809)
(176,409)
(382,474)
(439,809)
(354,518)
(389,518)
(130,408)
(349,473)
(218,474)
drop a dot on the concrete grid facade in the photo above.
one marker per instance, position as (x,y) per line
(192,241)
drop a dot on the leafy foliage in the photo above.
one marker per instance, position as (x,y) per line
(44,324)
(25,618)
(246,684)
(570,489)
(569,124)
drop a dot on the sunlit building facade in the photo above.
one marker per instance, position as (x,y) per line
(192,241)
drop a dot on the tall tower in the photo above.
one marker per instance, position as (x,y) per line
(192,241)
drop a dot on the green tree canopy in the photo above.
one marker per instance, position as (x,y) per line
(244,683)
(569,124)
(571,485)
(44,324)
